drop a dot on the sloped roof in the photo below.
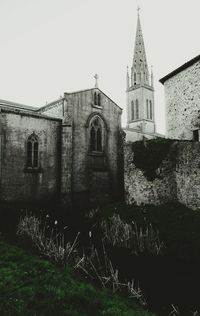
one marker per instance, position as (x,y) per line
(179,69)
(94,89)
(17,105)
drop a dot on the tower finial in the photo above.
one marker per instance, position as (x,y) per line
(127,78)
(96,77)
(138,9)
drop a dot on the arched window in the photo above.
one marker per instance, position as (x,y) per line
(151,111)
(96,134)
(95,98)
(147,108)
(137,109)
(132,111)
(99,99)
(32,151)
(134,78)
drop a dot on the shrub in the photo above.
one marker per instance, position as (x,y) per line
(54,246)
(97,269)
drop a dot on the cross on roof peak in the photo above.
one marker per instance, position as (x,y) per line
(96,77)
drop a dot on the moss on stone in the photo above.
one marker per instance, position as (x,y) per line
(148,155)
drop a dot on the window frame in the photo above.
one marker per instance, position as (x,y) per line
(147,108)
(95,142)
(132,111)
(150,110)
(32,152)
(196,133)
(97,100)
(137,110)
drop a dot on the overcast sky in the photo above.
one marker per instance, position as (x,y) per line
(48,47)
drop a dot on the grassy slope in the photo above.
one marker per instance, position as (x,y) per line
(31,286)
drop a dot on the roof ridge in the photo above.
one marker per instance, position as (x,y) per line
(18,105)
(179,69)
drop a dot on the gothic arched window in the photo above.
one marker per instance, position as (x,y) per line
(99,99)
(137,109)
(151,110)
(96,134)
(147,108)
(32,151)
(134,78)
(132,111)
(95,98)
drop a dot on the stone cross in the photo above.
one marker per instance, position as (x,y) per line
(96,80)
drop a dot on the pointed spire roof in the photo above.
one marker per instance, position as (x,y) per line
(140,70)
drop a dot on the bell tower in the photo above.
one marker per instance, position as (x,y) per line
(140,90)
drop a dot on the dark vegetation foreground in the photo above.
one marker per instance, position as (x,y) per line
(169,280)
(31,286)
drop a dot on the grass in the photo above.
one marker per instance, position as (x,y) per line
(30,285)
(178,226)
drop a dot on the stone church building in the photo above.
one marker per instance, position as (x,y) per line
(72,149)
(65,150)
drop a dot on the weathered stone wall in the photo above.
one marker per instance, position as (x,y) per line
(136,135)
(182,98)
(80,108)
(139,190)
(66,163)
(16,181)
(187,174)
(84,172)
(178,177)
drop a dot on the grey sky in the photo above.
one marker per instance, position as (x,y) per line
(48,47)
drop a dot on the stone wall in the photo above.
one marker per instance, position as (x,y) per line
(178,177)
(182,98)
(88,168)
(16,181)
(187,174)
(85,173)
(136,135)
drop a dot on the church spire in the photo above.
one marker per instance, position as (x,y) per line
(140,72)
(140,91)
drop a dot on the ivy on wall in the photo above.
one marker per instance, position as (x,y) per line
(149,154)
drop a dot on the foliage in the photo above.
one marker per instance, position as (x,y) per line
(178,226)
(139,240)
(54,246)
(148,155)
(101,269)
(32,286)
